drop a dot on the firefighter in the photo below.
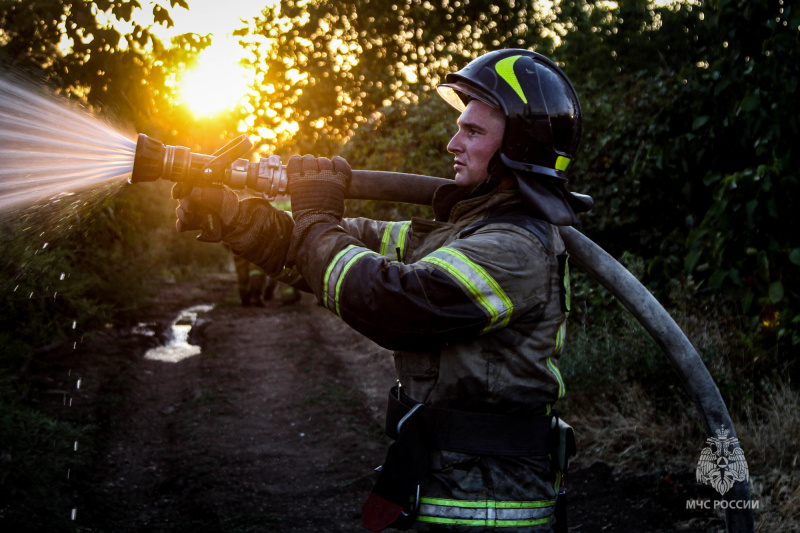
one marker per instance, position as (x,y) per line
(474,302)
(254,286)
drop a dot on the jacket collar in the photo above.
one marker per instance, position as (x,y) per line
(451,202)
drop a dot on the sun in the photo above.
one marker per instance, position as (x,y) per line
(216,84)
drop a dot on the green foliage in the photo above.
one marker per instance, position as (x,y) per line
(328,66)
(745,238)
(623,61)
(690,121)
(36,454)
(600,365)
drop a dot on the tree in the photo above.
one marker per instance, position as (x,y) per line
(78,48)
(325,67)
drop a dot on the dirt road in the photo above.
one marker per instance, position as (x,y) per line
(275,426)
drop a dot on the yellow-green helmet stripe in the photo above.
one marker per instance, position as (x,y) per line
(505,67)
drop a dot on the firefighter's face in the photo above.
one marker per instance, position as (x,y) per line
(479,135)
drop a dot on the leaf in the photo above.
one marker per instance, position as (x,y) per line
(123,11)
(691,259)
(747,300)
(717,278)
(711,178)
(161,16)
(775,292)
(750,102)
(751,207)
(762,262)
(699,122)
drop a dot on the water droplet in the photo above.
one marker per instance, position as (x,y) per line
(68,478)
(15,288)
(74,323)
(30,296)
(78,384)
(55,294)
(62,277)
(75,447)
(75,345)
(45,245)
(74,514)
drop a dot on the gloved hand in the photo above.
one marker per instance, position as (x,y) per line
(210,209)
(317,187)
(253,228)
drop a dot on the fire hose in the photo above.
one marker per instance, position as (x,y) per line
(155,160)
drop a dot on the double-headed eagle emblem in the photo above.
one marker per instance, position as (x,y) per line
(722,463)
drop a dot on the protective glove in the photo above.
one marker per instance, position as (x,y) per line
(208,209)
(253,228)
(317,188)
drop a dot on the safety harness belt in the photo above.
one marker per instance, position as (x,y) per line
(475,433)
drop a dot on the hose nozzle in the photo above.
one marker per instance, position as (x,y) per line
(154,160)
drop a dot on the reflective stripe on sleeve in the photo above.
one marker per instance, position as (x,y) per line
(476,282)
(337,271)
(394,238)
(486,513)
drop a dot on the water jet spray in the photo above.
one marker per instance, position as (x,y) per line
(51,147)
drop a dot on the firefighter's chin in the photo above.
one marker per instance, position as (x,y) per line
(466,178)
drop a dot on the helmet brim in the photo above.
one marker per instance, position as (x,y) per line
(458,94)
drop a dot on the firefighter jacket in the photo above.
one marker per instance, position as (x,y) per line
(474,303)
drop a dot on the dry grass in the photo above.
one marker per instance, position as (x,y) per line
(770,438)
(630,434)
(627,410)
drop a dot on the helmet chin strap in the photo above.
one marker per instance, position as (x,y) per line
(497,171)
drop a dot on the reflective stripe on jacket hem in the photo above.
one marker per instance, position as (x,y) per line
(486,513)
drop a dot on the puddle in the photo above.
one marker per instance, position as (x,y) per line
(178,347)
